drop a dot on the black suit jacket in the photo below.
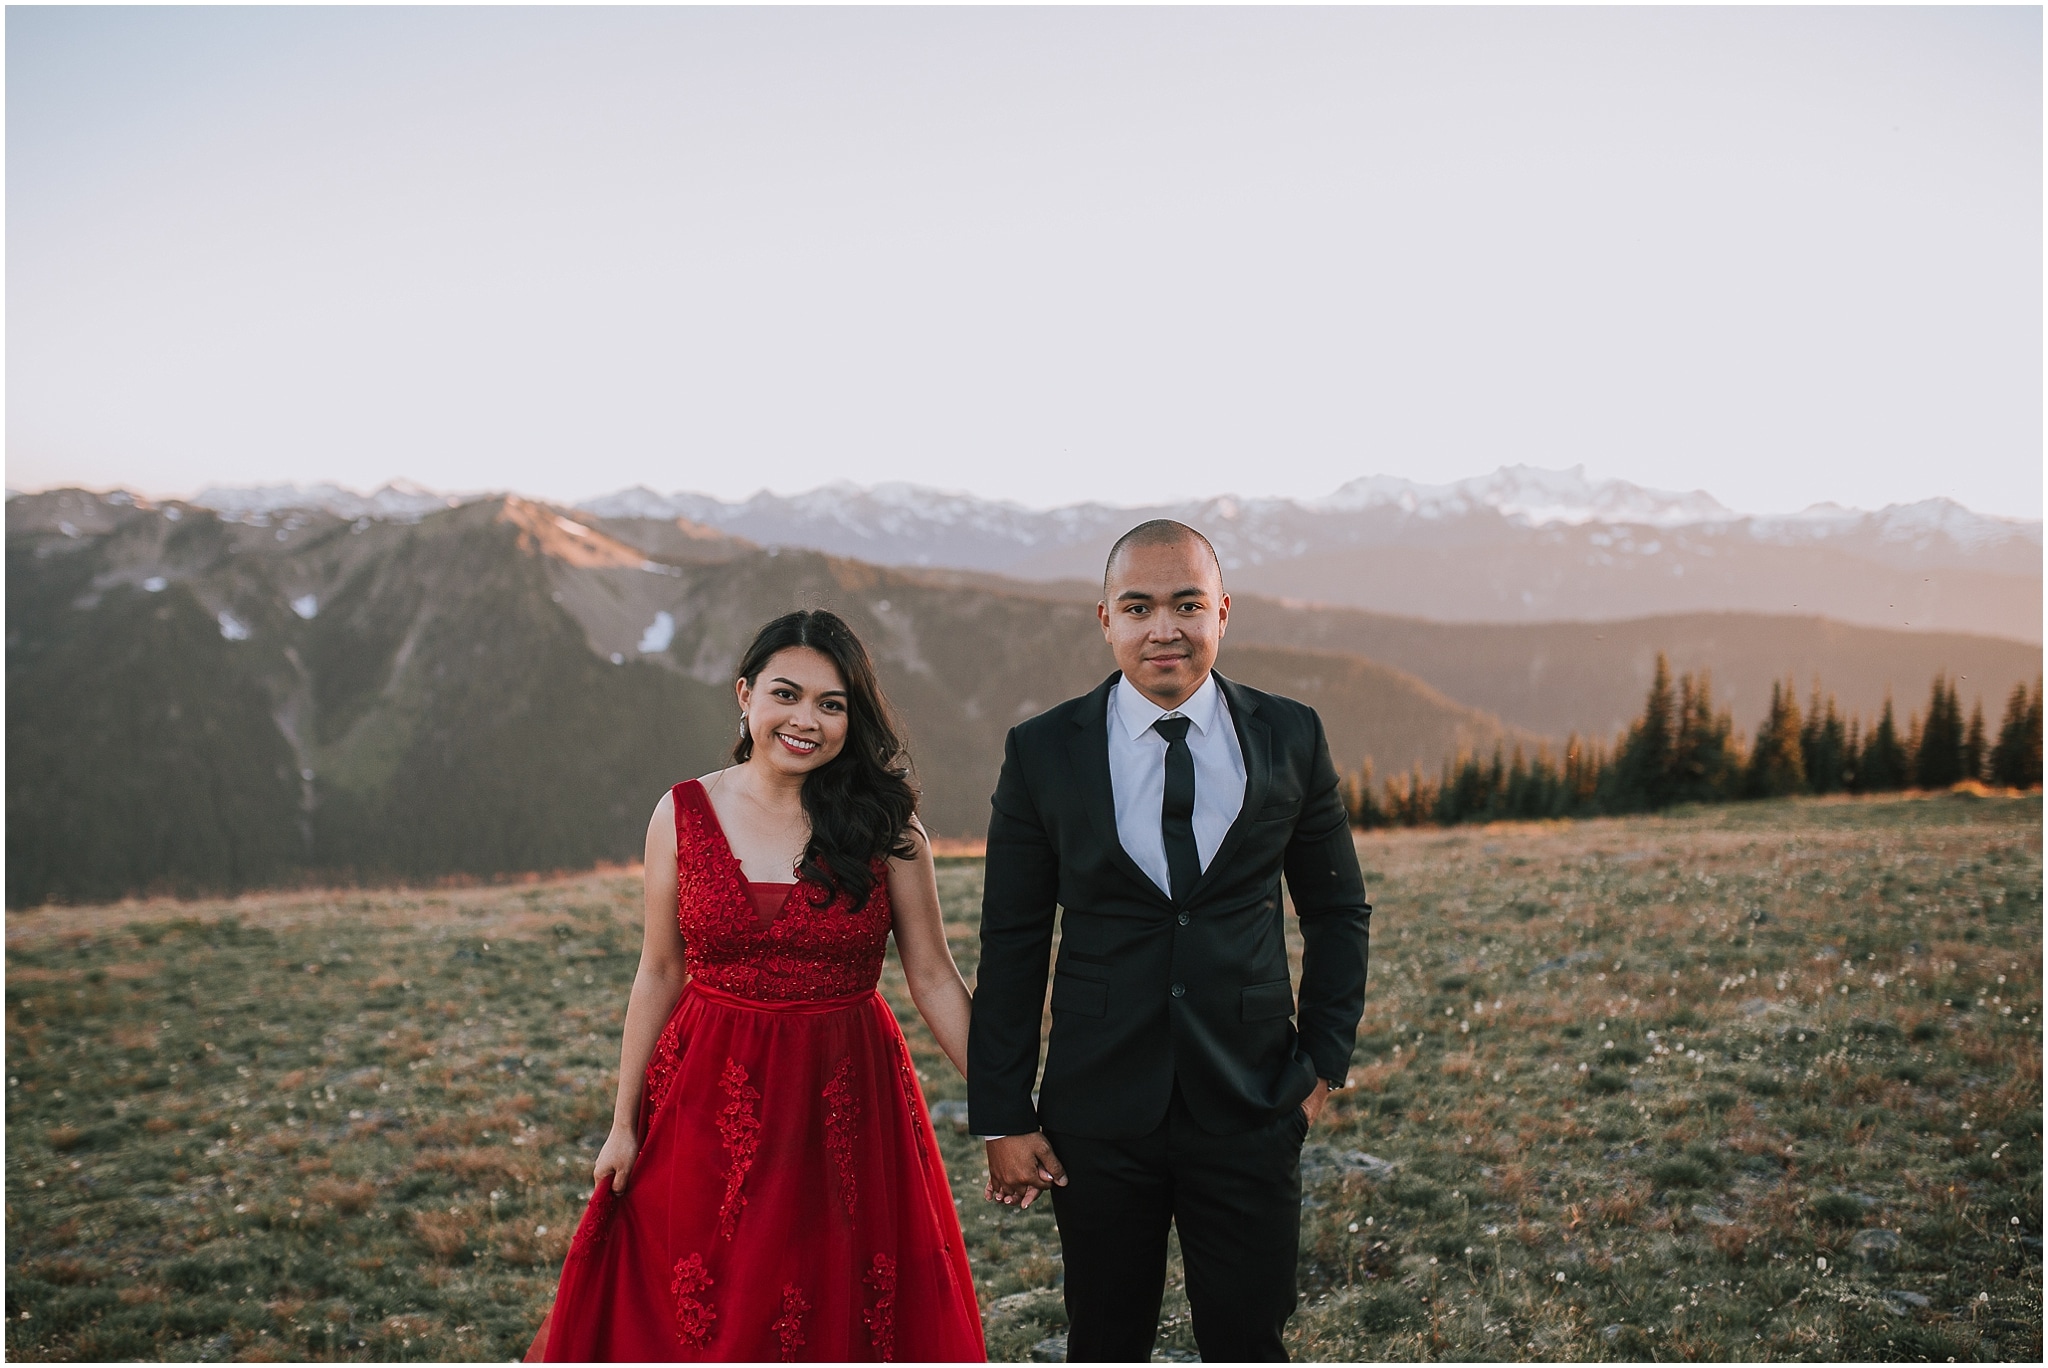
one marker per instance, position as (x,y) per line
(1148,991)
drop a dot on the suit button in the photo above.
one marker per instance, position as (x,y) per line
(1182,919)
(1272,903)
(1180,990)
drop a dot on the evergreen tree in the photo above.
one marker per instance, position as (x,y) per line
(1360,800)
(1684,749)
(2030,753)
(1973,745)
(1514,796)
(1584,767)
(1881,767)
(1776,767)
(1824,746)
(1704,764)
(2016,759)
(1462,794)
(1411,802)
(1938,760)
(1641,774)
(1546,785)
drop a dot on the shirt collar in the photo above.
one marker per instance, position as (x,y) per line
(1137,713)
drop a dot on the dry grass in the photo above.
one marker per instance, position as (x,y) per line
(1820,1019)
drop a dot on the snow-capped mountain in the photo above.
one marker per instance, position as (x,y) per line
(909,519)
(1520,544)
(401,500)
(1534,497)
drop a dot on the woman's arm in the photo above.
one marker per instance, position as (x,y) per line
(657,986)
(935,983)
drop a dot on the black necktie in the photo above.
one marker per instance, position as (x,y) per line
(1177,812)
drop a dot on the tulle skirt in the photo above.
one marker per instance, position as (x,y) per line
(788,1202)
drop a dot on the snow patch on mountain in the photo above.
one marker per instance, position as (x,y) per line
(1533,496)
(901,523)
(399,500)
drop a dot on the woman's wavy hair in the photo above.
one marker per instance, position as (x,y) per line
(861,801)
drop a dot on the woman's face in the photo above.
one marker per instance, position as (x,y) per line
(796,711)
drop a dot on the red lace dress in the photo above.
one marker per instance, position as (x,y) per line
(788,1201)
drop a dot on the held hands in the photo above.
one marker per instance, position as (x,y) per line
(1020,1167)
(621,1148)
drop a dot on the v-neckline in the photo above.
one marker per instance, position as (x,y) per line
(739,869)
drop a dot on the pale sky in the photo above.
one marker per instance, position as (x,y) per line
(1049,255)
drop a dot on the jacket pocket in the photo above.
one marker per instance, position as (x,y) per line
(1264,1001)
(1081,997)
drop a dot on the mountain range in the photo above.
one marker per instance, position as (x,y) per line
(1522,544)
(204,698)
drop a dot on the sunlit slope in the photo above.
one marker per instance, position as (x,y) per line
(195,703)
(964,662)
(437,713)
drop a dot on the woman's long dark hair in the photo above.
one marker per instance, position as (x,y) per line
(861,801)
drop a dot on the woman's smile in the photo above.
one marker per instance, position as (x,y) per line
(796,745)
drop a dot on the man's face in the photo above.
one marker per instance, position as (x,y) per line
(1163,612)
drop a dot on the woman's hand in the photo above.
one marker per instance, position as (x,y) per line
(621,1148)
(1020,1167)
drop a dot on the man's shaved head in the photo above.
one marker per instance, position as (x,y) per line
(1158,532)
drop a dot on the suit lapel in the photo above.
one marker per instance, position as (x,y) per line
(1088,758)
(1255,740)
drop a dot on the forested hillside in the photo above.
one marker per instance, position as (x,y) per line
(200,704)
(204,701)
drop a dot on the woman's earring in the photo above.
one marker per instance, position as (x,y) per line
(743,724)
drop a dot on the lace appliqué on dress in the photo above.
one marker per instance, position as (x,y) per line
(790,1328)
(906,1074)
(693,1317)
(842,1117)
(661,1069)
(880,1318)
(592,1229)
(740,1128)
(812,951)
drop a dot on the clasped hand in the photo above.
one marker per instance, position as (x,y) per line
(1022,1166)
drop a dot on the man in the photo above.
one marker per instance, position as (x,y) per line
(1160,812)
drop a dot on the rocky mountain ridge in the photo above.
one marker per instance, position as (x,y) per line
(207,700)
(1522,544)
(199,702)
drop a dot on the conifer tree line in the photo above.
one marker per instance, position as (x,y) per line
(1684,749)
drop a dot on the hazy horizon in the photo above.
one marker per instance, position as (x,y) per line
(1050,256)
(1041,505)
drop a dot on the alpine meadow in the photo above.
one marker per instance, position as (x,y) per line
(1704,1008)
(1758,1081)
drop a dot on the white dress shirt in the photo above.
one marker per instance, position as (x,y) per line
(1137,773)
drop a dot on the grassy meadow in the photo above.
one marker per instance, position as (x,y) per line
(1752,1082)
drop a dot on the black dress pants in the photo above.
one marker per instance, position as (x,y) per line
(1237,1202)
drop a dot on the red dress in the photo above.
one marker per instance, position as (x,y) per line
(788,1201)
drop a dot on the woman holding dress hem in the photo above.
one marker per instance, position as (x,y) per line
(771,1187)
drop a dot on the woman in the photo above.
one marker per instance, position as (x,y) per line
(771,1188)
